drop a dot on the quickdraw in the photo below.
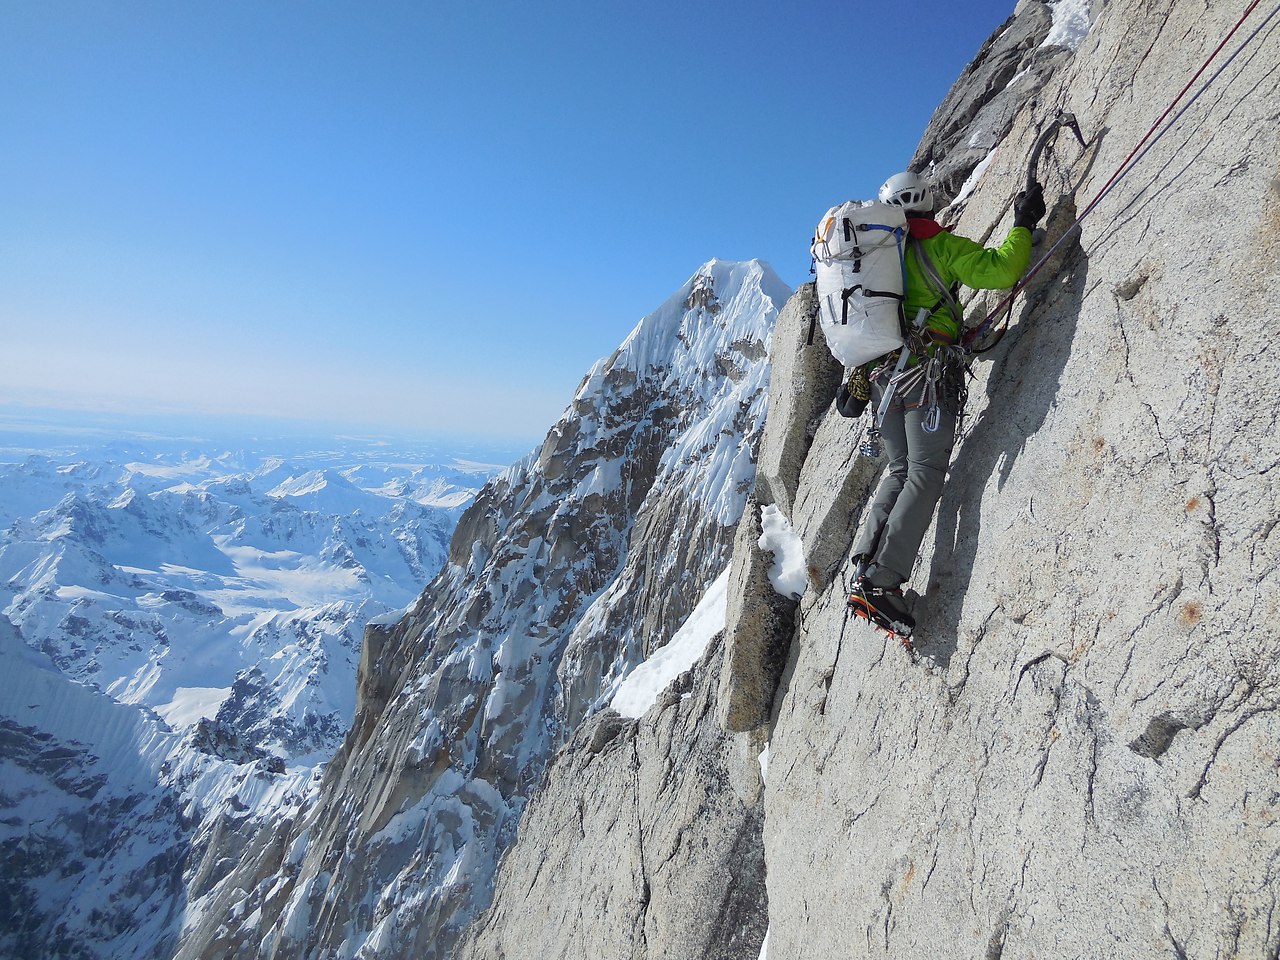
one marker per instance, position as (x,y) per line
(937,384)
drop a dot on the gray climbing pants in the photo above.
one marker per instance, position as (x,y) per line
(898,517)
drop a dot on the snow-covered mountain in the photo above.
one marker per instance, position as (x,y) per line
(180,635)
(191,589)
(98,811)
(570,567)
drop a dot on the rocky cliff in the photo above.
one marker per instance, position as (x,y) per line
(1080,757)
(644,841)
(564,574)
(1081,761)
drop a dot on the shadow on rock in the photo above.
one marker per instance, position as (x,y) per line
(1020,392)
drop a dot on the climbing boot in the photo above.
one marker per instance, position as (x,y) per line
(861,561)
(884,607)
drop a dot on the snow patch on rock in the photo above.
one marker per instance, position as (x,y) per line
(971,184)
(640,690)
(788,573)
(1070,24)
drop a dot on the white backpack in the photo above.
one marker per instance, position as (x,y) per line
(858,252)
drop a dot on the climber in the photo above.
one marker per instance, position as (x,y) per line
(925,399)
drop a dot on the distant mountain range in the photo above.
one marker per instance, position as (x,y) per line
(204,583)
(181,626)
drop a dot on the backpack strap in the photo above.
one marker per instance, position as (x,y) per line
(944,292)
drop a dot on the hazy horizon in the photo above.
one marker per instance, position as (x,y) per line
(39,430)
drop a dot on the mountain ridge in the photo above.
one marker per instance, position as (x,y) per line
(533,621)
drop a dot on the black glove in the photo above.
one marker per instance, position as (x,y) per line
(1028,207)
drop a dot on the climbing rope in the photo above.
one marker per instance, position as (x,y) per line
(1132,160)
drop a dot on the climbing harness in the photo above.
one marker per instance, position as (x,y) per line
(902,378)
(900,371)
(942,354)
(1132,160)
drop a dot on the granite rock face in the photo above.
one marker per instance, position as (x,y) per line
(978,112)
(758,625)
(1080,758)
(642,843)
(759,620)
(810,376)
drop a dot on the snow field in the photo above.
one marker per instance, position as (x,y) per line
(190,704)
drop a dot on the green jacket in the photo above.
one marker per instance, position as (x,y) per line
(960,259)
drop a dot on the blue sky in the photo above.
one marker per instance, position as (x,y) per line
(427,216)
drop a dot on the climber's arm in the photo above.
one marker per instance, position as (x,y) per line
(986,268)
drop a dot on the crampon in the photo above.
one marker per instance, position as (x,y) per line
(869,604)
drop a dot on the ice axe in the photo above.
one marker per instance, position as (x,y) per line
(1005,307)
(1047,136)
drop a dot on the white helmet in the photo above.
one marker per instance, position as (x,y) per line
(909,191)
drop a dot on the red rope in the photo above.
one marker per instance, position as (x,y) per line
(985,326)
